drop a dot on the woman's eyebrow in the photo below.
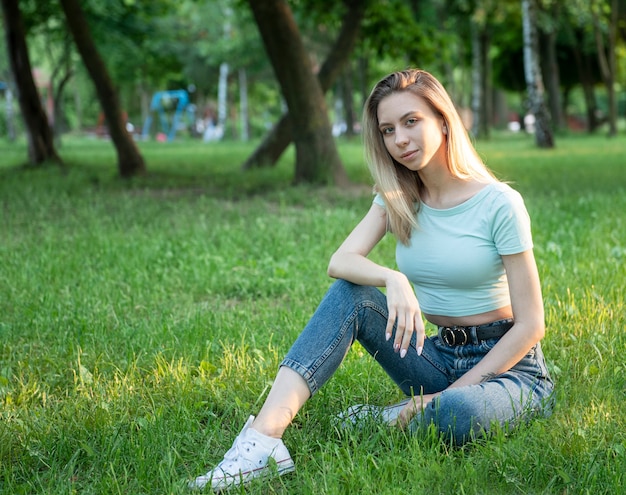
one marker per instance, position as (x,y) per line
(402,117)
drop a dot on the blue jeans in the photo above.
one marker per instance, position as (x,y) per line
(352,312)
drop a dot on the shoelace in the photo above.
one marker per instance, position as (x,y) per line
(235,452)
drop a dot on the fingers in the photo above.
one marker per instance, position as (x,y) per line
(402,329)
(390,323)
(404,313)
(406,326)
(403,339)
(420,334)
(407,413)
(412,407)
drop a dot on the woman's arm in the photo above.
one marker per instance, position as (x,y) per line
(350,263)
(529,326)
(528,329)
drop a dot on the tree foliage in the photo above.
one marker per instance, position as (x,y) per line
(152,45)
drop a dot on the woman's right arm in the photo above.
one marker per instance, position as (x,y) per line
(350,263)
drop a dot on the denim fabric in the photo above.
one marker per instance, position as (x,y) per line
(352,312)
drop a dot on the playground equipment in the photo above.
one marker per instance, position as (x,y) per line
(161,103)
(9,112)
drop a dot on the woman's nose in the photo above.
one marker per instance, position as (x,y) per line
(401,138)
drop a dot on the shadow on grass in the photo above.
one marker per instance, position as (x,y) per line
(173,172)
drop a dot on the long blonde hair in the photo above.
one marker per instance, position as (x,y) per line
(399,186)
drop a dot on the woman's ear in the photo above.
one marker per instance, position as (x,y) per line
(444,129)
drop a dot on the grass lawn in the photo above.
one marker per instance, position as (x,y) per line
(141,322)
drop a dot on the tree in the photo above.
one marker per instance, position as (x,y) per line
(280,136)
(607,57)
(584,60)
(481,72)
(40,136)
(568,58)
(548,30)
(317,159)
(534,79)
(130,162)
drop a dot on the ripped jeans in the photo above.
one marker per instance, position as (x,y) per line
(350,313)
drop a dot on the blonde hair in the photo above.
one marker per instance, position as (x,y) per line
(400,187)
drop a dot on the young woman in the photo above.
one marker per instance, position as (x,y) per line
(465,264)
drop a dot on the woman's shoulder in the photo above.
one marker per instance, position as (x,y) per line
(504,203)
(502,191)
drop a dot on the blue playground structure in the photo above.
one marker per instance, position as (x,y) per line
(159,105)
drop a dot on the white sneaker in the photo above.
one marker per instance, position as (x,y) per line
(365,412)
(248,458)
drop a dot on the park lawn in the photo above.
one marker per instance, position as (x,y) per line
(141,322)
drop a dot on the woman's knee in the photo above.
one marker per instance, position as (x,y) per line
(354,291)
(346,294)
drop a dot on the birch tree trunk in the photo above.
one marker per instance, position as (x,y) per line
(222,95)
(534,80)
(243,105)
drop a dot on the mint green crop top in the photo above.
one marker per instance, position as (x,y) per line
(454,256)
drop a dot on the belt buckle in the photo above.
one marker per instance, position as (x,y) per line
(450,334)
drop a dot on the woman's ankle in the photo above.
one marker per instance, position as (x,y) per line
(272,425)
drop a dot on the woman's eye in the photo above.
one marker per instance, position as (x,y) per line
(411,121)
(387,130)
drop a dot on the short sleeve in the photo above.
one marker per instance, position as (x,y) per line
(378,200)
(511,224)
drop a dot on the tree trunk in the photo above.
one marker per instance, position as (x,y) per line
(551,73)
(129,160)
(585,74)
(363,67)
(279,138)
(534,81)
(224,73)
(550,65)
(40,136)
(10,114)
(243,105)
(481,80)
(58,108)
(487,111)
(477,87)
(607,61)
(222,96)
(347,94)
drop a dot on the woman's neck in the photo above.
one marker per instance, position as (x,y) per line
(441,190)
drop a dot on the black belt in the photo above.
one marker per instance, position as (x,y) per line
(456,335)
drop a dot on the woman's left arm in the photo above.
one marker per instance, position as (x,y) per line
(529,326)
(528,329)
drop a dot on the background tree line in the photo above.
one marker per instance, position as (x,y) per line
(298,71)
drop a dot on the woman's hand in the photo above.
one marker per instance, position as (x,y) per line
(350,262)
(415,405)
(404,312)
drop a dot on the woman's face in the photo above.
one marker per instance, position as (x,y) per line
(412,132)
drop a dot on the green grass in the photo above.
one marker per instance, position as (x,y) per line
(142,321)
